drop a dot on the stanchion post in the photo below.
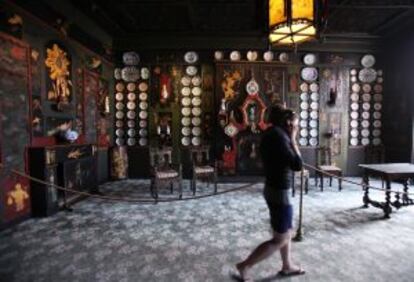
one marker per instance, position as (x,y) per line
(298,237)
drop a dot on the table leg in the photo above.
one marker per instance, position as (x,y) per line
(365,183)
(406,199)
(387,206)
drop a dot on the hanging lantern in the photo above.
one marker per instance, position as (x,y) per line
(293,21)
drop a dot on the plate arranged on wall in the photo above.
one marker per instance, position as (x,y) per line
(130,74)
(268,56)
(367,75)
(309,59)
(368,61)
(117,74)
(130,58)
(235,56)
(354,142)
(191,70)
(309,74)
(186,91)
(145,73)
(191,57)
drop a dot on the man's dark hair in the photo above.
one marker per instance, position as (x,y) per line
(278,115)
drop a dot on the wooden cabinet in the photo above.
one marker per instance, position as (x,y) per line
(70,166)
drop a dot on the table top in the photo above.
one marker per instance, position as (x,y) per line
(390,168)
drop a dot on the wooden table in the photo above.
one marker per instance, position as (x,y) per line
(388,172)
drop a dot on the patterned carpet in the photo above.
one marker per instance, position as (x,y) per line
(200,240)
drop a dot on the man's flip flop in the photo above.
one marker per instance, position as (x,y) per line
(291,273)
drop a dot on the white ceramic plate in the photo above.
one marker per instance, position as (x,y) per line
(313,141)
(143,123)
(143,105)
(130,74)
(365,115)
(185,121)
(143,114)
(367,61)
(354,78)
(354,106)
(131,141)
(314,87)
(303,123)
(304,87)
(354,142)
(366,87)
(130,58)
(377,115)
(119,87)
(119,96)
(314,114)
(186,101)
(252,55)
(119,132)
(377,123)
(196,141)
(186,131)
(131,105)
(196,80)
(365,141)
(131,96)
(309,59)
(304,114)
(196,131)
(185,141)
(309,74)
(143,132)
(303,141)
(196,91)
(145,73)
(120,141)
(131,123)
(235,56)
(131,86)
(354,132)
(268,56)
(304,105)
(196,111)
(314,96)
(314,105)
(354,115)
(313,123)
(117,74)
(185,81)
(354,97)
(186,91)
(218,55)
(143,86)
(376,132)
(119,115)
(119,123)
(366,97)
(353,72)
(196,121)
(284,57)
(380,80)
(304,96)
(364,132)
(354,123)
(196,101)
(191,70)
(191,57)
(367,75)
(131,114)
(143,96)
(313,132)
(376,141)
(304,132)
(143,141)
(131,132)
(119,106)
(186,111)
(377,106)
(365,123)
(366,106)
(356,87)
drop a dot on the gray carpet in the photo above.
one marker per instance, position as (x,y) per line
(200,240)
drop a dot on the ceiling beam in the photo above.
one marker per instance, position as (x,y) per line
(391,21)
(370,7)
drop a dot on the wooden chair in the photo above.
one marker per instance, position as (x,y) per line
(163,171)
(375,155)
(202,167)
(324,163)
(297,178)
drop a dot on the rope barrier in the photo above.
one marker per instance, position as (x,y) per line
(363,185)
(123,199)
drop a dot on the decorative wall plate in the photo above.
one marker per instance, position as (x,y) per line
(196,91)
(377,97)
(356,87)
(366,87)
(119,123)
(196,121)
(186,101)
(117,74)
(143,132)
(314,96)
(314,105)
(252,87)
(367,61)
(380,80)
(131,132)
(314,87)
(354,132)
(367,75)
(130,58)
(353,72)
(186,131)
(354,123)
(252,55)
(309,74)
(191,70)
(304,96)
(304,114)
(191,57)
(196,111)
(268,56)
(366,106)
(313,114)
(303,141)
(119,132)
(378,88)
(131,123)
(218,55)
(143,96)
(143,86)
(131,96)
(377,106)
(366,97)
(309,59)
(365,115)
(185,121)
(131,142)
(196,131)
(354,106)
(143,123)
(231,130)
(313,123)
(143,105)
(119,96)
(196,141)
(365,123)
(354,97)
(304,87)
(379,72)
(143,141)
(145,73)
(131,114)
(143,114)
(185,141)
(304,105)
(284,57)
(377,115)
(376,132)
(130,74)
(354,115)
(377,123)
(354,142)
(119,106)
(304,132)
(185,81)
(186,91)
(365,141)
(186,111)
(131,105)
(364,132)
(120,141)
(376,141)
(353,78)
(131,86)
(303,123)
(119,115)
(313,132)
(119,86)
(196,101)
(235,56)
(313,141)
(196,80)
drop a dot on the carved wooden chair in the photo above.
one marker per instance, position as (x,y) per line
(164,172)
(203,168)
(375,155)
(324,164)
